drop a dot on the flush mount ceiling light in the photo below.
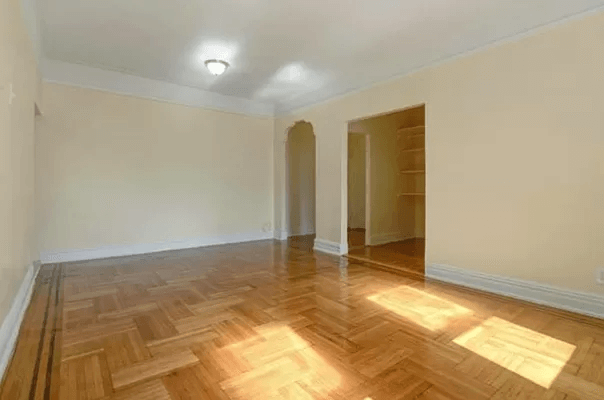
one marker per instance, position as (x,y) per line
(216,67)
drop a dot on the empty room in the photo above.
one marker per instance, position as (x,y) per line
(344,200)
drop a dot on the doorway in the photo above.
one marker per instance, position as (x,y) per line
(395,195)
(301,182)
(358,145)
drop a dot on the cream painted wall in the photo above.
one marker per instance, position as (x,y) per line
(301,157)
(514,156)
(17,67)
(356,181)
(120,170)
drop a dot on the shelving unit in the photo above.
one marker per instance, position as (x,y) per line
(411,141)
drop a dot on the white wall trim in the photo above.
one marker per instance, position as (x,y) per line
(384,238)
(9,330)
(280,234)
(117,82)
(302,234)
(325,246)
(53,256)
(579,302)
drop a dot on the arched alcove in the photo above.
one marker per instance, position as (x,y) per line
(300,184)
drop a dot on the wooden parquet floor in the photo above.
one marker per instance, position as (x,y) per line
(267,320)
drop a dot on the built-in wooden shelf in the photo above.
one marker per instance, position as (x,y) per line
(413,128)
(412,194)
(412,150)
(413,171)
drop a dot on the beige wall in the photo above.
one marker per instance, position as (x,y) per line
(301,157)
(120,170)
(514,156)
(17,67)
(356,181)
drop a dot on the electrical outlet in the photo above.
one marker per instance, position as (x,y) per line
(600,275)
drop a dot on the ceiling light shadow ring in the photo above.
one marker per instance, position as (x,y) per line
(216,67)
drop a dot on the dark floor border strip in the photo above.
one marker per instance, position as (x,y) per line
(34,379)
(32,299)
(51,353)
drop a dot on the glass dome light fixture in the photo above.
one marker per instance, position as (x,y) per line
(216,67)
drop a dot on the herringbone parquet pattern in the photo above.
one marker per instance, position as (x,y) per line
(270,321)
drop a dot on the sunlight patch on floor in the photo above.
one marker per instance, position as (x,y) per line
(279,364)
(422,308)
(532,355)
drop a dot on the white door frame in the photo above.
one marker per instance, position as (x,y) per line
(367,190)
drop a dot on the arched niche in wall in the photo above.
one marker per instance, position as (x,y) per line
(300,181)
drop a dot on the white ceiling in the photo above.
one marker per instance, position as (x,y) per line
(290,53)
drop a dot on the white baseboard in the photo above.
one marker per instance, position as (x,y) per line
(144,248)
(325,246)
(579,302)
(9,330)
(280,234)
(384,238)
(301,234)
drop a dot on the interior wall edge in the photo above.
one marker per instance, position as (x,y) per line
(564,299)
(31,19)
(51,256)
(9,330)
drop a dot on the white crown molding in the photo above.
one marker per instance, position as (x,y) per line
(117,82)
(9,330)
(325,246)
(578,302)
(53,256)
(111,81)
(308,101)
